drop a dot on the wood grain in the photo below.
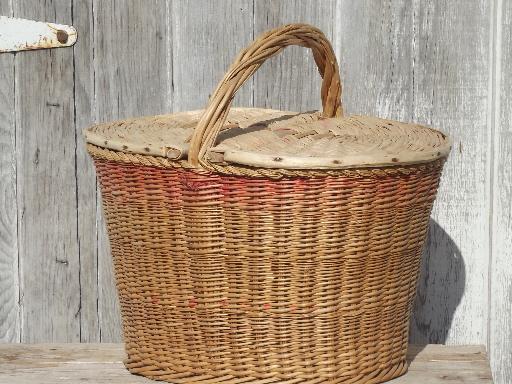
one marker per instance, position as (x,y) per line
(102,363)
(450,91)
(9,284)
(376,47)
(291,81)
(45,141)
(200,31)
(85,109)
(500,338)
(131,73)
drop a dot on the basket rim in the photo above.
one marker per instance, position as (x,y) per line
(119,136)
(142,160)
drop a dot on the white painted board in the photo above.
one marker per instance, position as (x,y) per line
(24,35)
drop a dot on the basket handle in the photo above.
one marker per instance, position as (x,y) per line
(248,62)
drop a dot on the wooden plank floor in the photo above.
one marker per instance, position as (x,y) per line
(101,363)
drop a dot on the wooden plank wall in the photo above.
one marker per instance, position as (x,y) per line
(445,64)
(500,279)
(10,322)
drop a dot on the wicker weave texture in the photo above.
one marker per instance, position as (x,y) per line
(248,141)
(255,280)
(246,272)
(247,63)
(263,138)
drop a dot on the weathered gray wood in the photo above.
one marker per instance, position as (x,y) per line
(9,284)
(206,38)
(375,45)
(102,363)
(291,81)
(500,338)
(427,62)
(85,108)
(46,186)
(131,76)
(451,79)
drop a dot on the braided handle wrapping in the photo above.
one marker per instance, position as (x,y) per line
(248,62)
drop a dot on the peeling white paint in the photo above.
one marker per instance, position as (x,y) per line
(22,35)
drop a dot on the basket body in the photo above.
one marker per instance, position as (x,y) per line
(243,279)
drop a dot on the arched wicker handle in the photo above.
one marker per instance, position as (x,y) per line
(248,62)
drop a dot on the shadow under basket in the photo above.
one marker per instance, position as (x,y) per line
(261,246)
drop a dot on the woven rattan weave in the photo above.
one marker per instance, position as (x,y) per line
(240,259)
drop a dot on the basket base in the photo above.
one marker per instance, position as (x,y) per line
(156,373)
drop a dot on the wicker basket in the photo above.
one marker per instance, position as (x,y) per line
(261,246)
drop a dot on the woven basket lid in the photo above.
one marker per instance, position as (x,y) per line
(266,138)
